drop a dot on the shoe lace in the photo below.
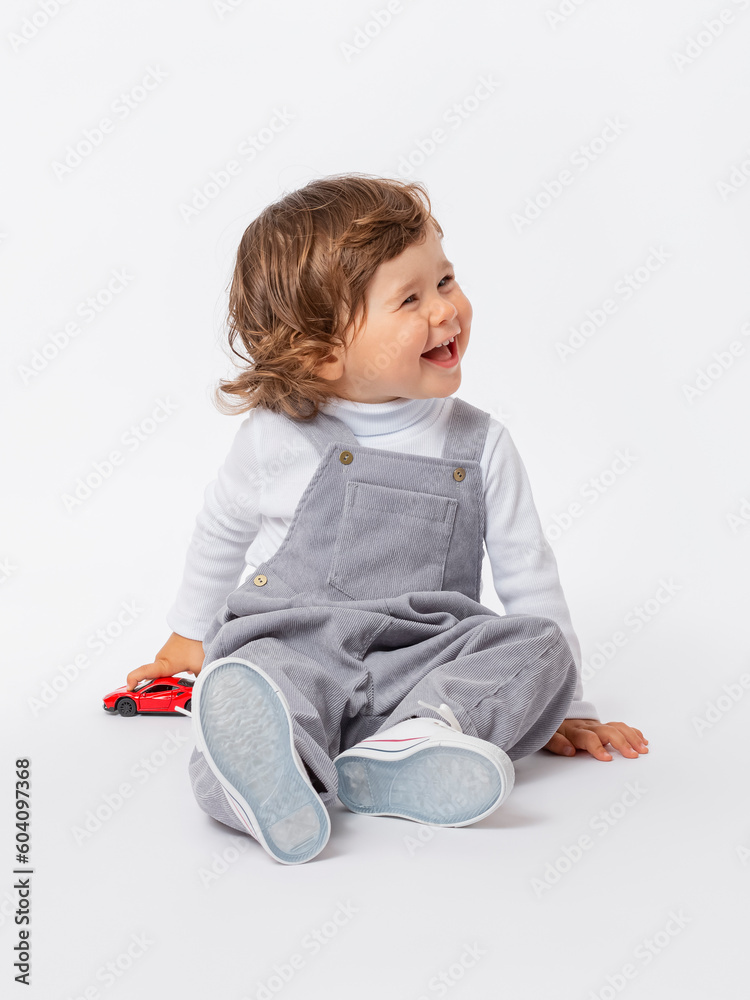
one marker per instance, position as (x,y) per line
(446,713)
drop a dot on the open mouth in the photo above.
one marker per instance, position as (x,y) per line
(445,356)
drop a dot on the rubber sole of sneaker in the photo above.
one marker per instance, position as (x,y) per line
(439,786)
(243,725)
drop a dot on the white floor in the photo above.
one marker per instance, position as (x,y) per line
(592,876)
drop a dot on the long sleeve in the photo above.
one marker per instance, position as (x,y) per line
(524,568)
(225,527)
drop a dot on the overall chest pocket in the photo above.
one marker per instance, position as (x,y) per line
(391,541)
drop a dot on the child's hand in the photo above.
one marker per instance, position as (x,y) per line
(177,654)
(592,735)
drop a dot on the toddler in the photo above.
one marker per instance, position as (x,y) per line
(355,660)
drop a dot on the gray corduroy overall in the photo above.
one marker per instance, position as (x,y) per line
(371,603)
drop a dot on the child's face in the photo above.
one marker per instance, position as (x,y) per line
(413,304)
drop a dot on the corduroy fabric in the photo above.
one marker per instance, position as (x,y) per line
(371,604)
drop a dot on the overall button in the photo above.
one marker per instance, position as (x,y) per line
(346,458)
(459,474)
(260,580)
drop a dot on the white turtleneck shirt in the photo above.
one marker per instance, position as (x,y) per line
(249,506)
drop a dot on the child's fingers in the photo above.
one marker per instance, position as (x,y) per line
(559,744)
(140,674)
(640,737)
(587,739)
(635,736)
(623,738)
(638,740)
(148,671)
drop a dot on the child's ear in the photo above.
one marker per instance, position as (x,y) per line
(332,367)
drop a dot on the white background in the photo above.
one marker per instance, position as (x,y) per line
(363,96)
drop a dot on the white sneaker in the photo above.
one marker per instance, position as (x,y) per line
(426,770)
(243,726)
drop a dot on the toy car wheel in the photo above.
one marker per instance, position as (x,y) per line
(189,705)
(127,707)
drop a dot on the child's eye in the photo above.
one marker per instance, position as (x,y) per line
(448,277)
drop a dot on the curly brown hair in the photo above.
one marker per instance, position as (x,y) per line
(300,282)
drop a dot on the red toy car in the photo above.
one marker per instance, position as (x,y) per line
(165,694)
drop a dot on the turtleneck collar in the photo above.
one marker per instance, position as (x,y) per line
(370,419)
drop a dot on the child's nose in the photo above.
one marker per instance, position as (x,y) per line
(442,311)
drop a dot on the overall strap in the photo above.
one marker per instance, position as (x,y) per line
(323,429)
(467,431)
